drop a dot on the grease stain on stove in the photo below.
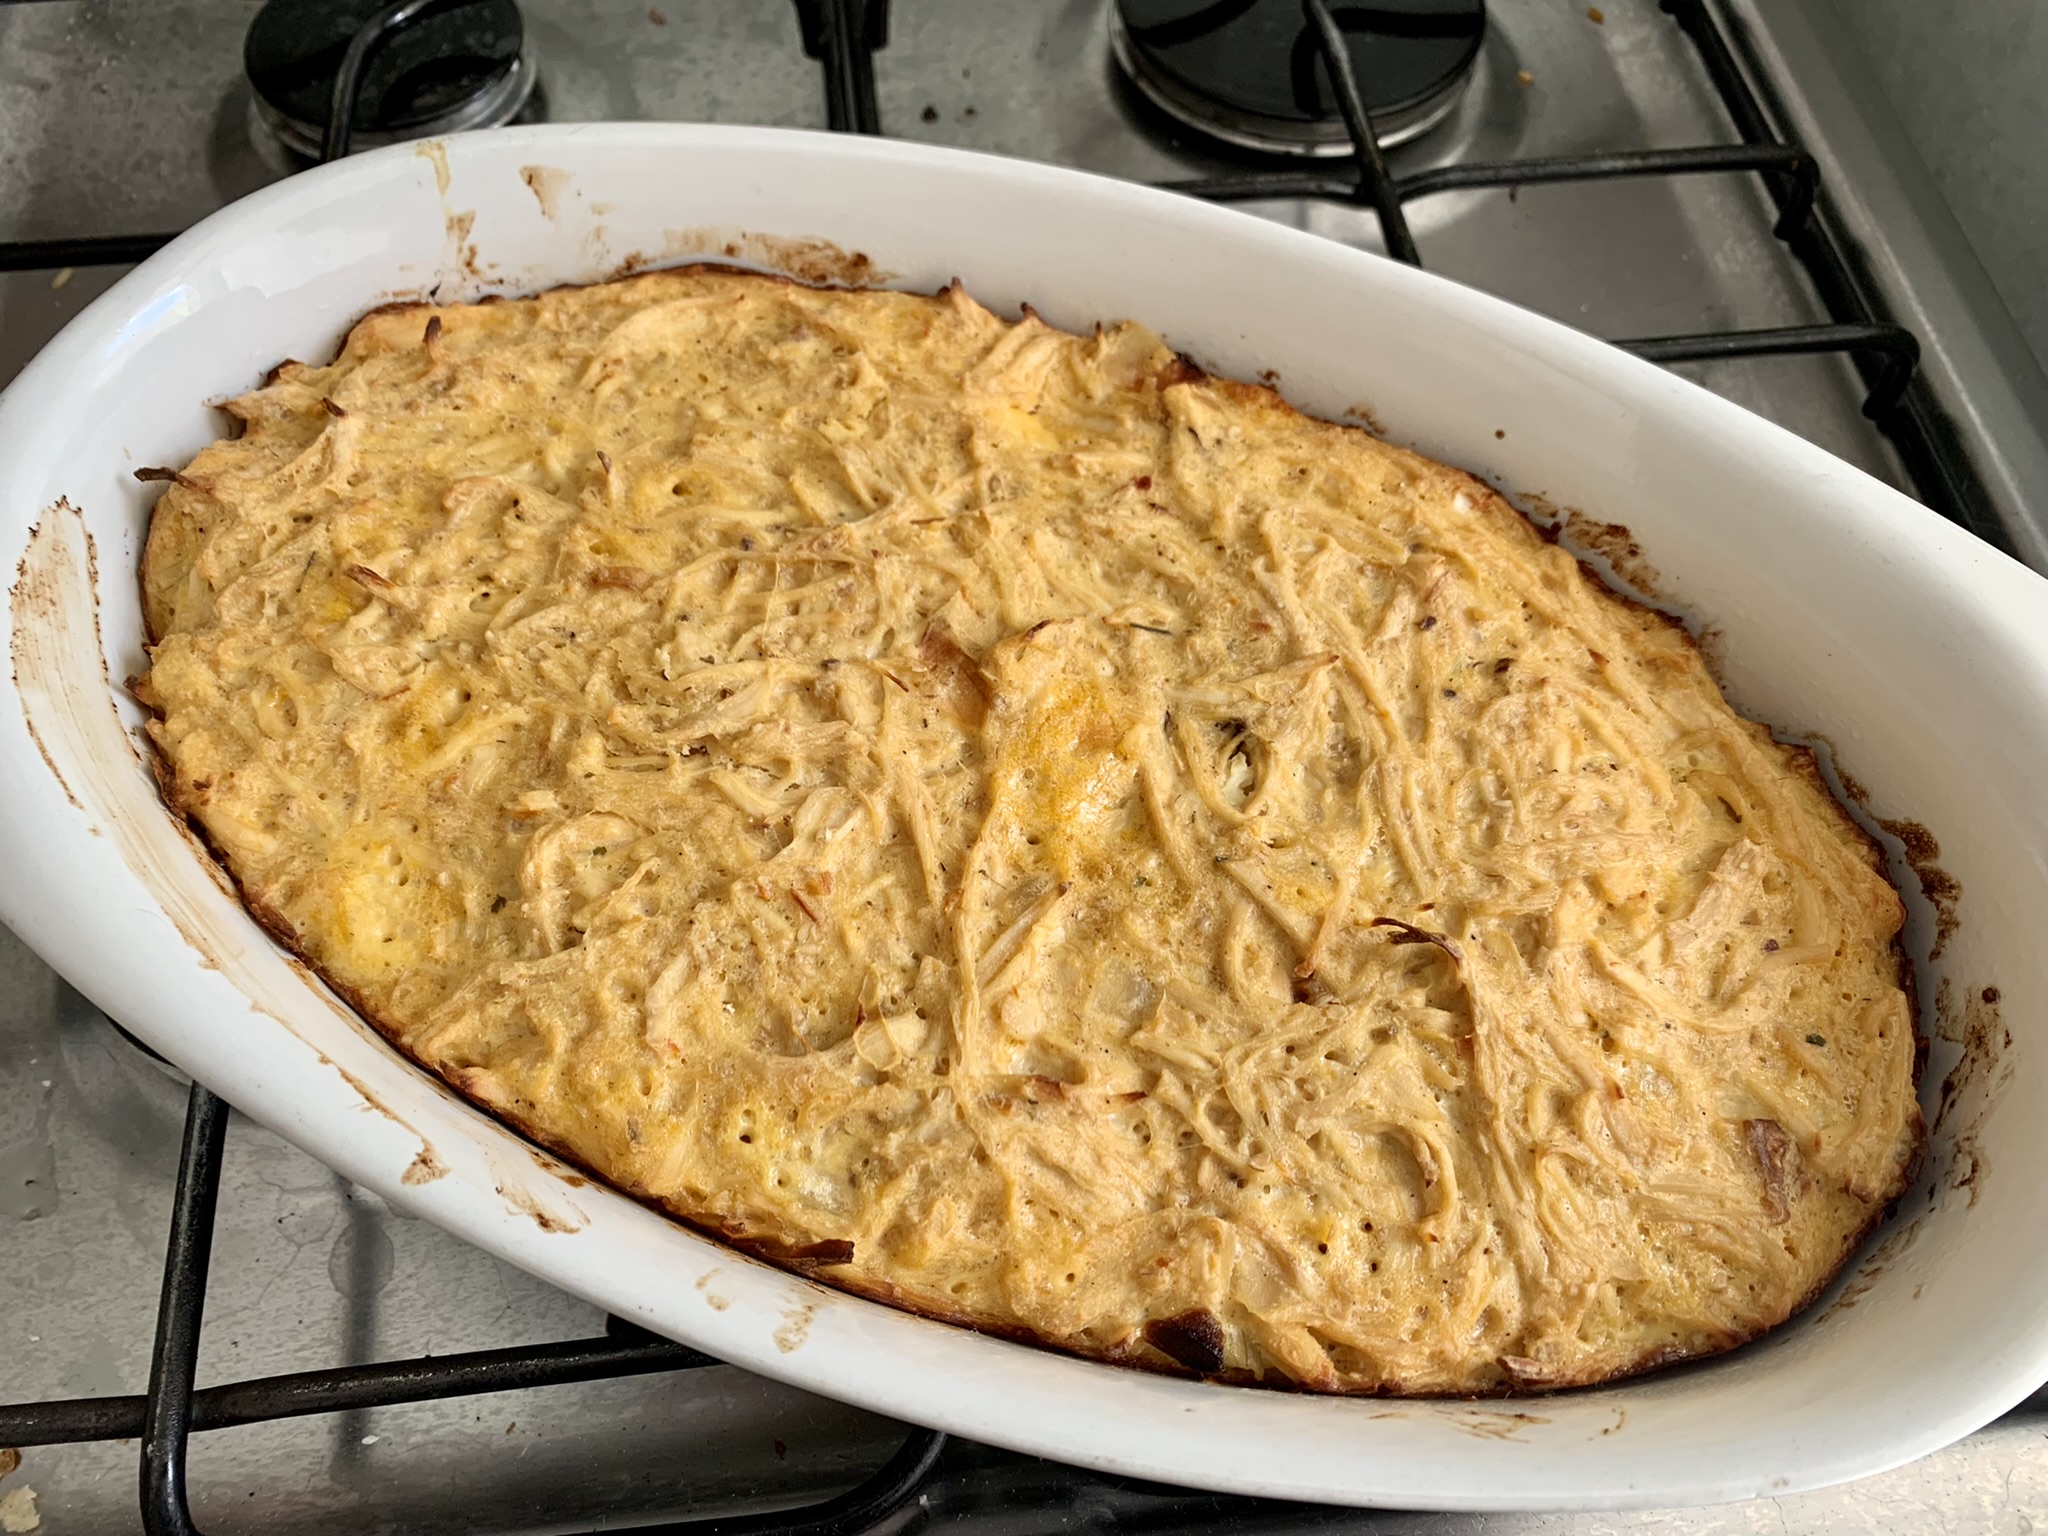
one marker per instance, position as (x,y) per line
(796,1327)
(18,1512)
(363,1259)
(28,1173)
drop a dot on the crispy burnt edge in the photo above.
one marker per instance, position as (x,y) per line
(618,280)
(1137,1351)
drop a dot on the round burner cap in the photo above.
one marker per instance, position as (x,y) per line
(462,68)
(1249,72)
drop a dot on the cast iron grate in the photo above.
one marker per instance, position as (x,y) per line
(843,35)
(1888,354)
(171,1410)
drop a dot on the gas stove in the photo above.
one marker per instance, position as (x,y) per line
(1704,181)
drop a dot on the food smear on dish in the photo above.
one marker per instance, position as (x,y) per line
(1013,826)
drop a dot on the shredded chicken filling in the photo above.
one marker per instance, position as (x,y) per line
(1035,833)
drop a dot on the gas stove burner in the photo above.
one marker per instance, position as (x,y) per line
(467,67)
(1249,72)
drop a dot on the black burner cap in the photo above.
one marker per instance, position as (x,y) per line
(1249,71)
(424,75)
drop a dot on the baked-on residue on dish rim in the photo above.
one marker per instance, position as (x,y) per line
(1856,610)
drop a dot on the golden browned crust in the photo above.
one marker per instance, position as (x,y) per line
(784,1252)
(970,668)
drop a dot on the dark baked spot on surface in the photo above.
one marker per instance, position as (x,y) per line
(1777,1161)
(1308,988)
(1193,1338)
(1408,933)
(834,1250)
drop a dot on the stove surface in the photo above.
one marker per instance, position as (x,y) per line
(119,117)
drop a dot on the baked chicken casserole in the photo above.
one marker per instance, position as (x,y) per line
(1024,830)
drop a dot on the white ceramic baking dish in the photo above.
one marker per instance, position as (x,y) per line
(1845,613)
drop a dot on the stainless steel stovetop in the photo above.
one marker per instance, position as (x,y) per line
(123,117)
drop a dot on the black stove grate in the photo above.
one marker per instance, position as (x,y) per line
(172,1410)
(843,35)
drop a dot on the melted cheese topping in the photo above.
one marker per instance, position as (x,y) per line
(1030,832)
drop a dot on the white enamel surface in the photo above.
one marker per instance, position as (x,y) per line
(1847,613)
